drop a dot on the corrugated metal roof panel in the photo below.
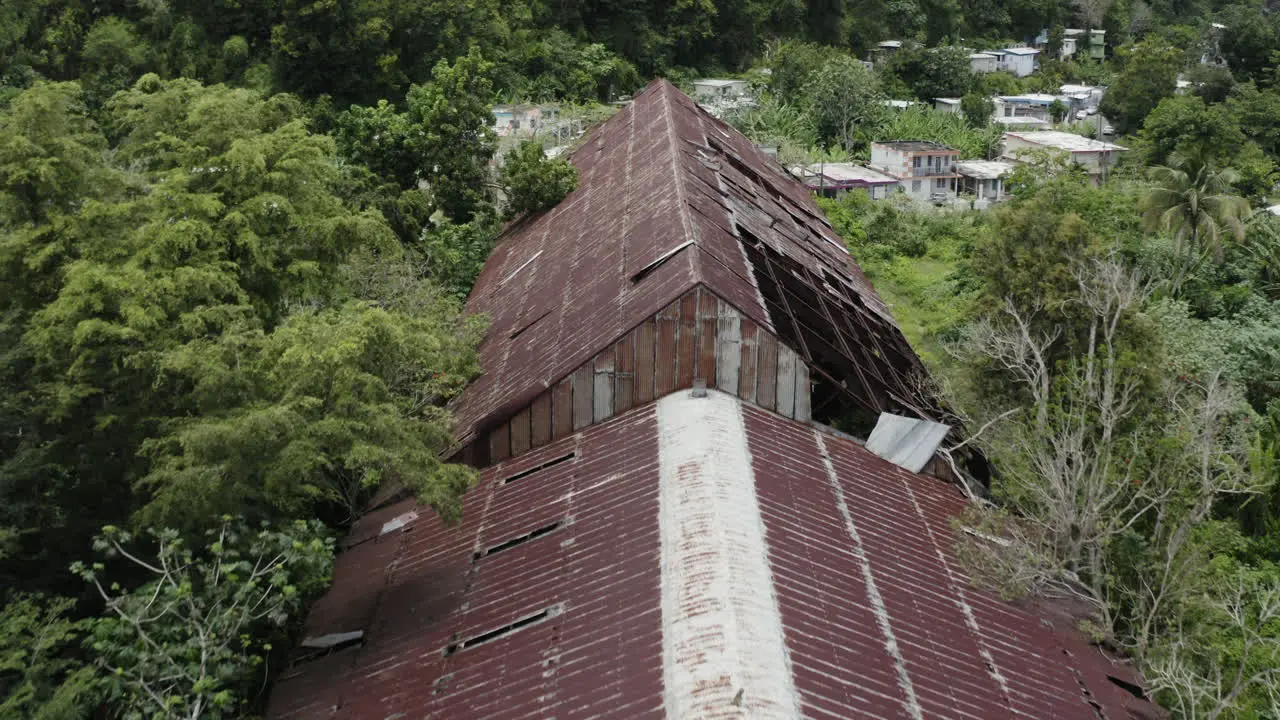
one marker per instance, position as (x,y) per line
(906,442)
(661,175)
(878,617)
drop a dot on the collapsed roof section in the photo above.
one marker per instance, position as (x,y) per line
(669,198)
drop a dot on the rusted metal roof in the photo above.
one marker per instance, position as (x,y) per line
(688,558)
(669,198)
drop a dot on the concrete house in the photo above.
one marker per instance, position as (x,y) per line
(1033,105)
(925,170)
(523,121)
(983,179)
(947,105)
(1021,61)
(665,525)
(1068,44)
(833,180)
(1096,157)
(983,62)
(718,89)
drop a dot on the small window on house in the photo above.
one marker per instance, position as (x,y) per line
(915,161)
(941,183)
(915,186)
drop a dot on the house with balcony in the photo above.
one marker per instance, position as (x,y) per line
(1094,156)
(925,170)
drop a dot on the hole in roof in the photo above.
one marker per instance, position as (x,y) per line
(503,631)
(536,468)
(520,539)
(522,266)
(659,261)
(1131,688)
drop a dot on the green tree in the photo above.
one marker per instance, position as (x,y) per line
(1184,123)
(933,72)
(977,109)
(533,182)
(209,246)
(1149,75)
(192,640)
(39,678)
(846,103)
(453,113)
(1193,202)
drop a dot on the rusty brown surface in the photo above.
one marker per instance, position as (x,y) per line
(418,590)
(668,198)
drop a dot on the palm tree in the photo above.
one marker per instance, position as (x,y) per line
(1193,201)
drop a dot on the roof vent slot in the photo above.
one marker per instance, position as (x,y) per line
(526,473)
(520,539)
(906,442)
(507,629)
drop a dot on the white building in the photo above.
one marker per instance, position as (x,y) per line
(1095,156)
(983,62)
(1081,97)
(1021,61)
(947,105)
(523,121)
(1034,105)
(833,180)
(1021,122)
(924,170)
(984,179)
(717,89)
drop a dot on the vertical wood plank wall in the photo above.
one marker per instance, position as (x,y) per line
(697,336)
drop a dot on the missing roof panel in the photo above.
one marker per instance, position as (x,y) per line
(520,539)
(537,468)
(482,638)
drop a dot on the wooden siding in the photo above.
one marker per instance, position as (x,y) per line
(699,336)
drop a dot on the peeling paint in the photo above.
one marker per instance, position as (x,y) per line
(724,654)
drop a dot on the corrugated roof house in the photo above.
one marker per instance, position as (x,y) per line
(638,549)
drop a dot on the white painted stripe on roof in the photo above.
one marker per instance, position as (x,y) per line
(909,701)
(723,650)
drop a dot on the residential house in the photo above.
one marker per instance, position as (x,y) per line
(947,105)
(1035,105)
(1081,97)
(983,62)
(983,179)
(523,121)
(924,169)
(664,524)
(832,180)
(1021,61)
(718,89)
(885,49)
(1067,49)
(1096,157)
(1021,122)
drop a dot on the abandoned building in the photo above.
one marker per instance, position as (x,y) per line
(667,522)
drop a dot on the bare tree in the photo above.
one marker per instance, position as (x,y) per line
(1078,466)
(1092,12)
(1208,690)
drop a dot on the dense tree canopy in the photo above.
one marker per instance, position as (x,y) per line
(235,238)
